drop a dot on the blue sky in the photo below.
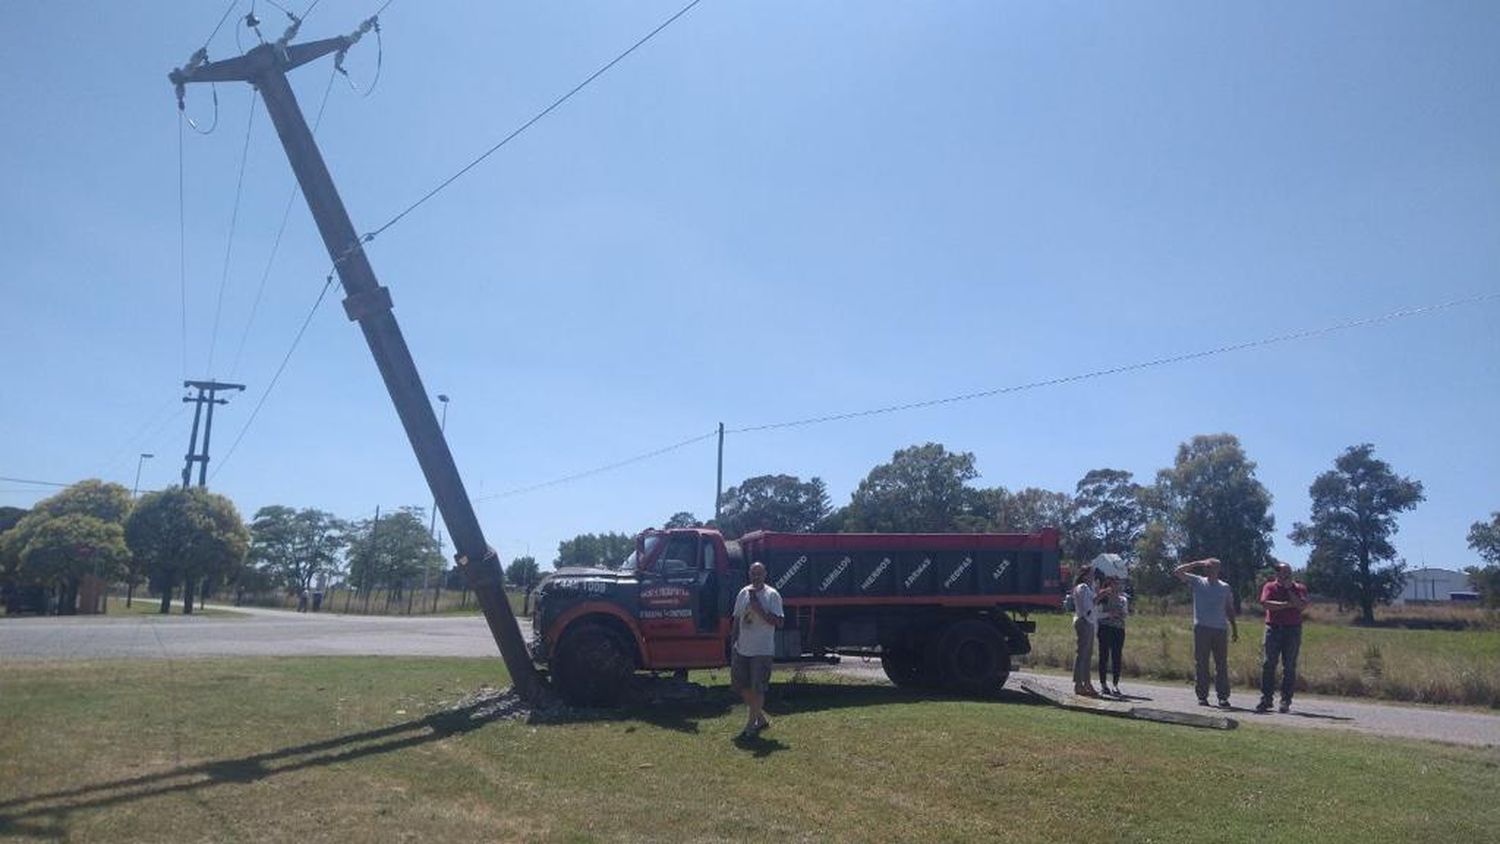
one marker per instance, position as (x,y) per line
(772,211)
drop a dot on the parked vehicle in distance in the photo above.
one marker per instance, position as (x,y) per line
(939,610)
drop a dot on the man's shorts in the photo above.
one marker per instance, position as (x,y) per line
(749,672)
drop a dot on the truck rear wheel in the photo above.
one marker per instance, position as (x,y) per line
(974,658)
(592,667)
(908,670)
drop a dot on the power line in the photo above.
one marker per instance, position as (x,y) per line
(1016,388)
(234,217)
(371,235)
(220,24)
(29,481)
(274,378)
(1123,368)
(286,214)
(606,468)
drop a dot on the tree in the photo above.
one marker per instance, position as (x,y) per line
(69,535)
(186,535)
(1107,514)
(523,572)
(1218,508)
(588,549)
(1484,538)
(296,546)
(922,489)
(1354,509)
(393,551)
(773,502)
(682,519)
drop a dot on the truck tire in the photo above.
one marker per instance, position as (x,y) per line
(908,670)
(973,657)
(592,667)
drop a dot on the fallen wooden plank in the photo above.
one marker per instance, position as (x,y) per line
(1120,709)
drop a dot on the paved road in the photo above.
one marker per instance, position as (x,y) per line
(281,633)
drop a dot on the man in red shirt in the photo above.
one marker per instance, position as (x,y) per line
(1283,599)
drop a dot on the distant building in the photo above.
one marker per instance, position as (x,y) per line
(1434,585)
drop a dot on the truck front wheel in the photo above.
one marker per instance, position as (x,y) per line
(908,670)
(592,667)
(974,658)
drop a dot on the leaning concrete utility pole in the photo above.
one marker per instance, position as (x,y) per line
(369,304)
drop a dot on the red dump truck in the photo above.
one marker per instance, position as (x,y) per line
(938,610)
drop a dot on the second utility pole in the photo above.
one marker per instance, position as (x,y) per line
(369,304)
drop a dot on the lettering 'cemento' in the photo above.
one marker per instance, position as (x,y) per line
(791,572)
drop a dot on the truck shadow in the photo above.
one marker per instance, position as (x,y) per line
(699,703)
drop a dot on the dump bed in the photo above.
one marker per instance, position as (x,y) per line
(817,569)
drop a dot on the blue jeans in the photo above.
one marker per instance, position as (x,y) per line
(1282,643)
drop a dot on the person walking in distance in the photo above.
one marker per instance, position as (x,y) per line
(1283,599)
(757,615)
(1213,612)
(1085,619)
(1113,606)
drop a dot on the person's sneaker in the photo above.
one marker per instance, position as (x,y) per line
(1285,707)
(762,724)
(1224,703)
(1203,701)
(1263,707)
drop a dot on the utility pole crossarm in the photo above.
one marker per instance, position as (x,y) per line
(257,61)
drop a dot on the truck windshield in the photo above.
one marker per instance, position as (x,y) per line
(630,563)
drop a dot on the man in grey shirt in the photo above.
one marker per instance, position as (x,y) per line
(1213,626)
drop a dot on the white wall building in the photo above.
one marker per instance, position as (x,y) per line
(1433,585)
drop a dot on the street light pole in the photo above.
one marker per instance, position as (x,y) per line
(136,487)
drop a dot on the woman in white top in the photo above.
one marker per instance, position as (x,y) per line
(1085,620)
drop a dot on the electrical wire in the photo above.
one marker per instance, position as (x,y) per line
(32,482)
(220,24)
(276,377)
(1129,367)
(371,235)
(600,469)
(1098,373)
(234,217)
(286,214)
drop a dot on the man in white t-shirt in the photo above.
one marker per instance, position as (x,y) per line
(757,614)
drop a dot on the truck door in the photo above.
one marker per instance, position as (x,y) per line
(679,616)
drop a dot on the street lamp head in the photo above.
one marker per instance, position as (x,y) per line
(443,398)
(144,455)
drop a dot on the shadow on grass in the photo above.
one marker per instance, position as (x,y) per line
(43,815)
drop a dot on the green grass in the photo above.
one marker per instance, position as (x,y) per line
(352,749)
(1426,666)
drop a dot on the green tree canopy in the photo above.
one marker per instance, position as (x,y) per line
(773,502)
(1354,510)
(923,489)
(589,549)
(66,536)
(522,572)
(1484,538)
(187,536)
(682,519)
(393,551)
(1108,516)
(62,549)
(296,546)
(1218,508)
